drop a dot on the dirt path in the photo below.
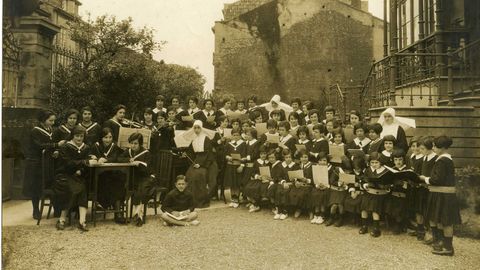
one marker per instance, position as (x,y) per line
(226,239)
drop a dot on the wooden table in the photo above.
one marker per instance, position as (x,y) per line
(97,169)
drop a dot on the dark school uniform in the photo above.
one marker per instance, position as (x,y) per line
(40,139)
(421,191)
(363,145)
(300,191)
(442,204)
(308,144)
(254,188)
(234,179)
(415,164)
(301,117)
(281,193)
(376,192)
(143,180)
(375,146)
(62,133)
(278,174)
(263,112)
(203,116)
(270,146)
(162,138)
(92,133)
(187,112)
(396,201)
(318,146)
(319,196)
(353,205)
(289,141)
(293,130)
(252,154)
(386,158)
(70,188)
(111,184)
(338,191)
(219,147)
(179,201)
(115,126)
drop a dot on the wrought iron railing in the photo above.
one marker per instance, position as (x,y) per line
(418,77)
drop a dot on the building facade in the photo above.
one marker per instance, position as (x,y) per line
(294,48)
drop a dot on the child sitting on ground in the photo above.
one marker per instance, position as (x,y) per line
(178,205)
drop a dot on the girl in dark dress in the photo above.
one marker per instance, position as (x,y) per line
(284,186)
(256,188)
(117,121)
(373,201)
(64,131)
(219,143)
(356,191)
(376,144)
(162,144)
(294,121)
(389,143)
(148,120)
(234,167)
(296,105)
(319,195)
(252,152)
(396,202)
(93,129)
(207,115)
(319,143)
(183,116)
(71,176)
(287,140)
(141,157)
(300,192)
(111,184)
(421,191)
(272,126)
(442,206)
(41,138)
(360,141)
(202,174)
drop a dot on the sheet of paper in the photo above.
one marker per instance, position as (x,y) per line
(227,133)
(348,133)
(337,152)
(187,118)
(298,174)
(347,178)
(320,174)
(265,171)
(261,128)
(273,138)
(300,147)
(236,156)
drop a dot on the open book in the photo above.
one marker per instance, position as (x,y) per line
(182,215)
(405,174)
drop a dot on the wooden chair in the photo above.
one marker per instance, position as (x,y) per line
(48,174)
(163,176)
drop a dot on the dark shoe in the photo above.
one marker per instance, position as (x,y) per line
(397,229)
(36,215)
(57,214)
(139,222)
(444,252)
(60,225)
(429,241)
(376,232)
(329,222)
(83,227)
(437,245)
(420,235)
(338,222)
(120,220)
(363,230)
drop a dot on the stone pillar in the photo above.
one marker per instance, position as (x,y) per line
(35,35)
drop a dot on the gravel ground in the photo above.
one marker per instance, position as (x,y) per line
(225,239)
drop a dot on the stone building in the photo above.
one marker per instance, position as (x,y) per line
(294,47)
(35,43)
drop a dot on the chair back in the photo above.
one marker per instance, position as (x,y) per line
(48,170)
(164,166)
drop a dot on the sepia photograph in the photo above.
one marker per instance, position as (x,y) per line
(240,134)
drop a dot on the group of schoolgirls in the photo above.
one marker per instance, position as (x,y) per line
(384,148)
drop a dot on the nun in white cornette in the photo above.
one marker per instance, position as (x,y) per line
(395,126)
(276,104)
(202,173)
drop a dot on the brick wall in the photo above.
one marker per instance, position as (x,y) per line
(234,10)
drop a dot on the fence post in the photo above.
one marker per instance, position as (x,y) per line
(450,93)
(393,77)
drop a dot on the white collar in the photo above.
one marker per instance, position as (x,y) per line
(207,112)
(379,170)
(44,131)
(299,111)
(179,110)
(303,141)
(116,122)
(318,140)
(261,161)
(252,142)
(445,155)
(306,165)
(285,165)
(138,155)
(416,156)
(78,148)
(430,156)
(105,154)
(364,142)
(286,138)
(401,168)
(241,111)
(89,127)
(194,110)
(376,140)
(66,129)
(332,143)
(276,162)
(386,153)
